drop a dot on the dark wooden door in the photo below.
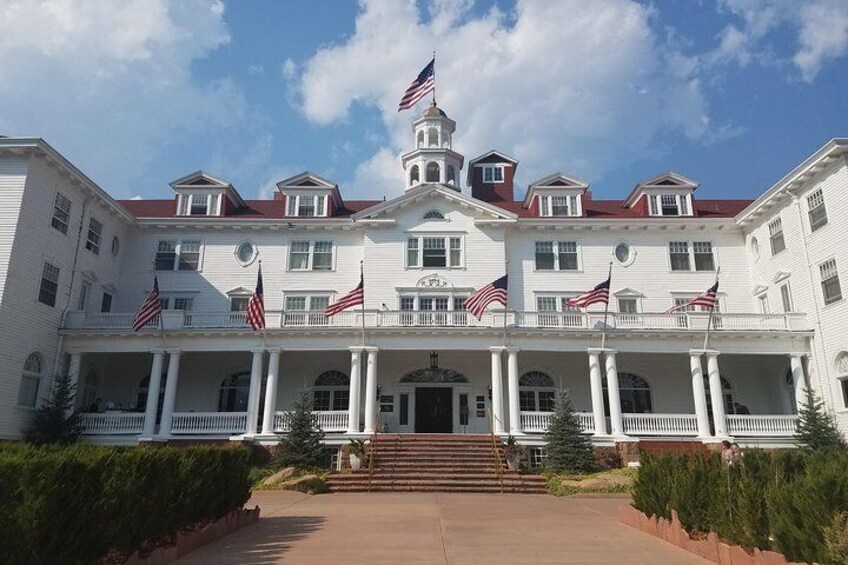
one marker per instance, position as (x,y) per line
(434,410)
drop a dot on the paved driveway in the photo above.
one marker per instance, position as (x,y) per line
(436,528)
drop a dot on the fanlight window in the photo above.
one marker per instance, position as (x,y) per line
(434,215)
(33,364)
(233,393)
(635,394)
(331,391)
(332,378)
(434,375)
(536,392)
(30,381)
(536,378)
(432,172)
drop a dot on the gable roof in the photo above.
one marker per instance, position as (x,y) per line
(493,153)
(202,179)
(306,179)
(668,179)
(555,180)
(424,190)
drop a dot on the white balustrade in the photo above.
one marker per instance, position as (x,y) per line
(538,422)
(347,319)
(209,423)
(772,425)
(328,420)
(215,319)
(660,424)
(112,423)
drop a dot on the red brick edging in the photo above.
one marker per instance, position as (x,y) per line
(189,541)
(710,548)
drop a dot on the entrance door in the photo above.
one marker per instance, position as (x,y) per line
(434,410)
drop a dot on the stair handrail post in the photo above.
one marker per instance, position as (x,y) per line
(373,449)
(495,450)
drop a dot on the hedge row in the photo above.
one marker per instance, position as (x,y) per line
(79,503)
(782,502)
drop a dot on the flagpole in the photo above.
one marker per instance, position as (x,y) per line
(606,309)
(434,78)
(159,324)
(710,319)
(506,272)
(264,317)
(362,281)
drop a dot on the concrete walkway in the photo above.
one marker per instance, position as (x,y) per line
(436,528)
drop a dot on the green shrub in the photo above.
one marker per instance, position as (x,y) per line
(302,447)
(652,488)
(78,503)
(568,448)
(57,421)
(836,539)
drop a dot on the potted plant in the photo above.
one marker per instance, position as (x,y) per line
(357,450)
(512,453)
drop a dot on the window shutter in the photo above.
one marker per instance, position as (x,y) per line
(652,205)
(291,205)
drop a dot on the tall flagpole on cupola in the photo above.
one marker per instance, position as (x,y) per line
(434,78)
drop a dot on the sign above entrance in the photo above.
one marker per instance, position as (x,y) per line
(433,281)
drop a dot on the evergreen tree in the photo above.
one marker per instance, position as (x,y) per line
(57,421)
(817,429)
(568,449)
(301,448)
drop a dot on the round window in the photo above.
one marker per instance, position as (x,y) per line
(755,248)
(623,253)
(245,252)
(116,246)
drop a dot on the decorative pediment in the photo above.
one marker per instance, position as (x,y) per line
(306,180)
(89,275)
(628,293)
(780,276)
(669,179)
(434,281)
(760,289)
(200,179)
(425,195)
(665,183)
(239,291)
(559,180)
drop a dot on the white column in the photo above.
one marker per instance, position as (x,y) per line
(799,381)
(497,390)
(151,405)
(596,387)
(355,390)
(170,391)
(616,422)
(512,384)
(74,373)
(254,391)
(371,390)
(271,391)
(699,394)
(716,396)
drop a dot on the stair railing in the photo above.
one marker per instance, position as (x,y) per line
(495,450)
(373,448)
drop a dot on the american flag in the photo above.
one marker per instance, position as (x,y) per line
(256,305)
(425,82)
(352,298)
(151,308)
(598,295)
(492,292)
(708,300)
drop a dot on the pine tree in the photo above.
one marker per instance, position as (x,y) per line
(301,448)
(568,449)
(57,421)
(817,429)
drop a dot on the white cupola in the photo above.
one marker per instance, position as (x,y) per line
(433,161)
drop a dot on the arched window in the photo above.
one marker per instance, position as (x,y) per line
(433,137)
(434,375)
(414,175)
(144,387)
(420,138)
(432,172)
(635,394)
(88,401)
(434,215)
(331,391)
(730,404)
(446,139)
(536,392)
(233,393)
(30,380)
(451,174)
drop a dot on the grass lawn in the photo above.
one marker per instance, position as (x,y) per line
(607,481)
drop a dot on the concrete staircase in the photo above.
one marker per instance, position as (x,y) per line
(436,463)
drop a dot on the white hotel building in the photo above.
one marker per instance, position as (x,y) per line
(76,264)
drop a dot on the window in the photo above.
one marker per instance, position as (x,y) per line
(331,391)
(432,172)
(434,215)
(234,392)
(116,246)
(831,290)
(306,309)
(30,381)
(635,394)
(199,204)
(536,392)
(554,311)
(432,252)
(172,255)
(623,253)
(556,256)
(106,302)
(92,242)
(245,253)
(311,256)
(61,213)
(755,248)
(85,290)
(493,173)
(49,284)
(558,206)
(306,205)
(776,236)
(786,298)
(451,174)
(177,303)
(816,210)
(239,303)
(628,306)
(701,255)
(669,205)
(764,304)
(414,175)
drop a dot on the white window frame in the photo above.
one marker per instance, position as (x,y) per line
(49,272)
(556,251)
(493,171)
(775,228)
(171,301)
(690,250)
(178,245)
(30,375)
(815,201)
(94,236)
(786,298)
(829,267)
(419,251)
(683,203)
(319,205)
(310,261)
(84,295)
(103,296)
(311,314)
(212,201)
(562,314)
(763,301)
(634,299)
(61,207)
(572,205)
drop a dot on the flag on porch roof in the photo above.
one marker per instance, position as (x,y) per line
(493,292)
(150,309)
(425,82)
(707,300)
(352,298)
(256,305)
(598,295)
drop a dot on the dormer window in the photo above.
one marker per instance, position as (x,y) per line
(493,173)
(558,206)
(307,205)
(669,204)
(199,204)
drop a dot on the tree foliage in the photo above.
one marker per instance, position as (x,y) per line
(57,421)
(301,447)
(817,429)
(568,448)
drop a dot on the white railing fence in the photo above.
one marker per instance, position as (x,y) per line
(112,423)
(772,425)
(328,420)
(209,423)
(538,422)
(660,424)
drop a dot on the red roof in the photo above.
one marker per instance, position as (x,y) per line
(254,209)
(613,209)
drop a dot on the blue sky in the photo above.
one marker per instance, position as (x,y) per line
(733,93)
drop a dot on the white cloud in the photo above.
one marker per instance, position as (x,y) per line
(824,35)
(110,83)
(582,87)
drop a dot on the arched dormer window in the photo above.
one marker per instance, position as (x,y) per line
(433,172)
(414,175)
(331,391)
(536,392)
(451,174)
(233,393)
(30,380)
(432,137)
(434,215)
(420,139)
(635,393)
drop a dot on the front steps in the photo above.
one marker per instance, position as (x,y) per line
(436,463)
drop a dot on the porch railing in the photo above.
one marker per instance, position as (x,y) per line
(777,425)
(329,420)
(692,321)
(660,424)
(209,423)
(116,423)
(538,422)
